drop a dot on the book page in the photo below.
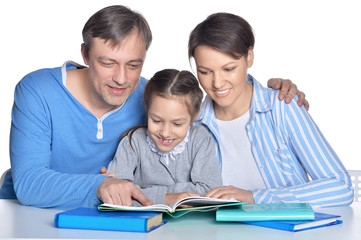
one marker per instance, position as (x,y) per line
(156,207)
(202,202)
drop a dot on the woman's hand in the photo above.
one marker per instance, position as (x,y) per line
(288,90)
(103,171)
(231,192)
(171,198)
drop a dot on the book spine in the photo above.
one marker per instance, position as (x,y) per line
(235,216)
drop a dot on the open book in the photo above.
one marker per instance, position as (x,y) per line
(179,208)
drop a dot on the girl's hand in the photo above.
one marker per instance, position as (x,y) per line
(171,198)
(231,192)
(103,171)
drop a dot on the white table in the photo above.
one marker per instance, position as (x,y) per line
(17,221)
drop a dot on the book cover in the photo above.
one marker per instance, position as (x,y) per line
(179,208)
(92,218)
(321,220)
(263,212)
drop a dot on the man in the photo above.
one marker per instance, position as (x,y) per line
(67,121)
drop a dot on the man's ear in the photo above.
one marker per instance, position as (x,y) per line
(84,54)
(250,57)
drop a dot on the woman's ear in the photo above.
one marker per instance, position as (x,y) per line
(84,54)
(250,57)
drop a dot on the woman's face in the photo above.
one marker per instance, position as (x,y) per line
(222,77)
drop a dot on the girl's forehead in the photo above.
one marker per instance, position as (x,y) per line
(175,97)
(172,100)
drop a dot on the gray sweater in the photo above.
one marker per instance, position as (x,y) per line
(194,170)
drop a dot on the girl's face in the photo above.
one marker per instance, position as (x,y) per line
(223,78)
(168,121)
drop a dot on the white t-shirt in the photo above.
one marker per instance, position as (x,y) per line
(238,165)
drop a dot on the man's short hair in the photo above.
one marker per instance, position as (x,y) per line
(115,23)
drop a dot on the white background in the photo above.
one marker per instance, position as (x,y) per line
(316,44)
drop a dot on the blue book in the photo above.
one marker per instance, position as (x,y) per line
(92,218)
(264,212)
(321,220)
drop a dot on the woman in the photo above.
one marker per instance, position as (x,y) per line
(269,151)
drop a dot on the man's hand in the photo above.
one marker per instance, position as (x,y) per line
(231,192)
(288,91)
(120,192)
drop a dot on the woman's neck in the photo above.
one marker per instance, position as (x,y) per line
(236,109)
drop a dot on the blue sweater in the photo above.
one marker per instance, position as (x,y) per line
(57,146)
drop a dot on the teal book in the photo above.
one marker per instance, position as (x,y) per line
(321,220)
(92,218)
(264,212)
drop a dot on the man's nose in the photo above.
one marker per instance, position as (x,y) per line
(120,75)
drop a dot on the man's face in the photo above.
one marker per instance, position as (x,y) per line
(114,71)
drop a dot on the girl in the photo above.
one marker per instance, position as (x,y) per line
(270,151)
(169,160)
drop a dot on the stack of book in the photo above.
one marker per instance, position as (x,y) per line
(285,216)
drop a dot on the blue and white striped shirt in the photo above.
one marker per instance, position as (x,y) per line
(289,150)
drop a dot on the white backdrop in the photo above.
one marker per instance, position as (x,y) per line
(316,44)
